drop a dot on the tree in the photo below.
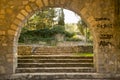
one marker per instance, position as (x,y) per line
(42,19)
(61,17)
(82,26)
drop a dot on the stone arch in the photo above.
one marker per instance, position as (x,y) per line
(34,5)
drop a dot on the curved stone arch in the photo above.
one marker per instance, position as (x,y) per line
(34,5)
(30,9)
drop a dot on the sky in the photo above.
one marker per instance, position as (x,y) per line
(71,17)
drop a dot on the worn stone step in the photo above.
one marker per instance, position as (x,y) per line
(63,76)
(55,69)
(51,53)
(55,60)
(20,65)
(52,57)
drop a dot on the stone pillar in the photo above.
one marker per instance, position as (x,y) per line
(105,56)
(117,33)
(7,64)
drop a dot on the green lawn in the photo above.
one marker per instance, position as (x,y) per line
(85,54)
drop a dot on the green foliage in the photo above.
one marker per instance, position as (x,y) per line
(81,28)
(85,54)
(58,29)
(42,19)
(69,35)
(84,30)
(45,34)
(73,39)
(44,24)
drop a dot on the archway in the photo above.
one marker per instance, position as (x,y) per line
(28,12)
(99,18)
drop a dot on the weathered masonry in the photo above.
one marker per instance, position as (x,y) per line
(102,17)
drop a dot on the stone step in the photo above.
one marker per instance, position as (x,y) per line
(53,57)
(62,76)
(51,53)
(55,70)
(23,65)
(57,51)
(55,60)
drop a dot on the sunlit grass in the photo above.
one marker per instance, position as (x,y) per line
(85,54)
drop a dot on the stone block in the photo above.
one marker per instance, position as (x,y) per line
(32,0)
(2,16)
(9,57)
(4,44)
(39,3)
(2,70)
(62,2)
(14,27)
(34,6)
(17,21)
(90,19)
(20,16)
(2,11)
(2,32)
(11,32)
(28,8)
(24,12)
(25,2)
(9,11)
(45,2)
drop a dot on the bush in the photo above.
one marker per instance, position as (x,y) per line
(58,29)
(73,39)
(46,34)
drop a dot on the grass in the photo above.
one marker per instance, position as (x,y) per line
(85,54)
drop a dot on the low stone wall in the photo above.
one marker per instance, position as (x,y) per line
(29,49)
(85,49)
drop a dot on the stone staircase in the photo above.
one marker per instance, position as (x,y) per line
(54,64)
(56,67)
(51,50)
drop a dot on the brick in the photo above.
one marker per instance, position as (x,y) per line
(2,16)
(2,70)
(39,3)
(24,12)
(25,2)
(14,27)
(28,8)
(83,11)
(2,11)
(2,32)
(11,32)
(17,21)
(32,0)
(20,16)
(46,2)
(62,1)
(9,10)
